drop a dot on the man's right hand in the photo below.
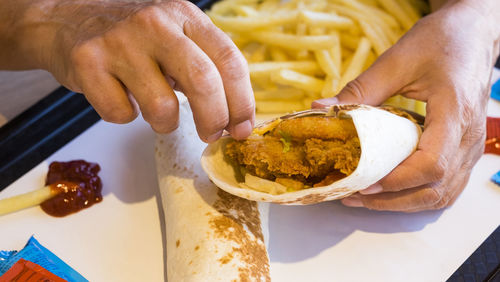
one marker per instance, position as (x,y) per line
(126,56)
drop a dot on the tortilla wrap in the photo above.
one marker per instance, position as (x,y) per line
(211,235)
(386,139)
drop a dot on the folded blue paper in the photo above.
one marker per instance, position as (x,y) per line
(495,90)
(35,252)
(496,178)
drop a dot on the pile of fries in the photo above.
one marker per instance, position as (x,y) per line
(302,50)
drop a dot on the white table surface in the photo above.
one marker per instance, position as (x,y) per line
(121,239)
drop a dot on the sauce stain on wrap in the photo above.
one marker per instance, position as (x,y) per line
(230,226)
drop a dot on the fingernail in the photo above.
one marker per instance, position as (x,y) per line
(352,201)
(214,137)
(242,130)
(374,189)
(321,103)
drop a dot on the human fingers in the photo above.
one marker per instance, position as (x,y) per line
(460,177)
(108,97)
(411,199)
(473,146)
(426,197)
(156,99)
(386,77)
(197,77)
(232,67)
(187,64)
(435,195)
(437,151)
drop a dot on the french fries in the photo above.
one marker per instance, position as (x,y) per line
(267,68)
(301,50)
(357,62)
(279,94)
(297,80)
(328,20)
(26,200)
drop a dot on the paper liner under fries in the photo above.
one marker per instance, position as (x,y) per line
(386,139)
(211,235)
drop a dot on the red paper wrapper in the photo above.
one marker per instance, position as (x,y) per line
(27,271)
(492,136)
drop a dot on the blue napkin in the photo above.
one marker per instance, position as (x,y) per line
(35,252)
(495,90)
(496,178)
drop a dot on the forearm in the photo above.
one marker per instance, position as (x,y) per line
(32,32)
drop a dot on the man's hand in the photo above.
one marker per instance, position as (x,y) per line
(125,56)
(446,59)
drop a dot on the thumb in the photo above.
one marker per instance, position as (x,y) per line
(386,77)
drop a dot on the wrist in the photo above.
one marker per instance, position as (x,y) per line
(487,12)
(480,17)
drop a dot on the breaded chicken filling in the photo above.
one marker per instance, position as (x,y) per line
(315,151)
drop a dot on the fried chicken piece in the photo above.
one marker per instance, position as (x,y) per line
(311,150)
(320,127)
(265,157)
(325,156)
(309,162)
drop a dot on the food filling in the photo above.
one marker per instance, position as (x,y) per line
(297,153)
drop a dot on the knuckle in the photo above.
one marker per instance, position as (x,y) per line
(475,135)
(467,112)
(242,112)
(431,197)
(184,7)
(212,126)
(445,201)
(220,122)
(165,127)
(161,109)
(148,15)
(204,77)
(171,127)
(84,56)
(119,115)
(151,21)
(232,63)
(356,90)
(438,166)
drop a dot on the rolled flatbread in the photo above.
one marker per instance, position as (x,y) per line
(211,235)
(385,140)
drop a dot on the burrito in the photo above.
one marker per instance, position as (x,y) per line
(211,235)
(313,156)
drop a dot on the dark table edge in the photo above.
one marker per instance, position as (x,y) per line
(483,264)
(40,131)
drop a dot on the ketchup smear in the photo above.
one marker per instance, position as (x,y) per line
(77,184)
